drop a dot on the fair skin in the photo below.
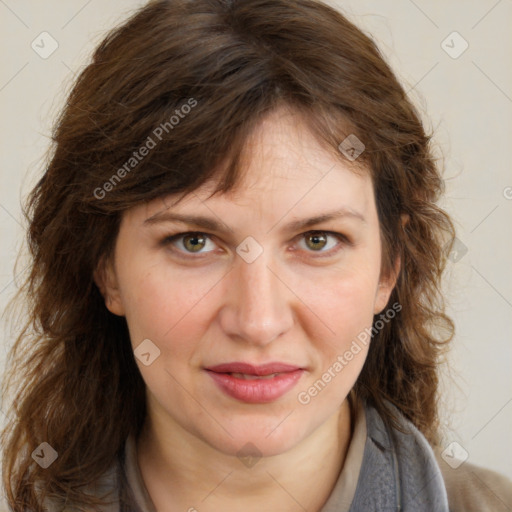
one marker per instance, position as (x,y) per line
(302,301)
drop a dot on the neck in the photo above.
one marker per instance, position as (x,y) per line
(181,469)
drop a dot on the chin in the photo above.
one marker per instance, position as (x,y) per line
(245,440)
(255,447)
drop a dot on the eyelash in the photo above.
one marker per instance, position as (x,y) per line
(344,240)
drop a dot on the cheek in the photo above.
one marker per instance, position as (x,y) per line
(343,300)
(170,311)
(166,307)
(344,304)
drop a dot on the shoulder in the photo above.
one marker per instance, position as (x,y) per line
(472,488)
(469,488)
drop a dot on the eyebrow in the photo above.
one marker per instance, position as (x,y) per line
(214,225)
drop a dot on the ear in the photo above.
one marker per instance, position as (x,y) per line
(385,288)
(106,280)
(387,283)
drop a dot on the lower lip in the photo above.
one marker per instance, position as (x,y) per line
(256,391)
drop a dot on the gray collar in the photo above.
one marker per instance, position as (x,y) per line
(399,470)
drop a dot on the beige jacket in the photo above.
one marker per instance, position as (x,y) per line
(472,488)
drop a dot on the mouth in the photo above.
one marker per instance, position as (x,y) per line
(247,376)
(255,383)
(262,370)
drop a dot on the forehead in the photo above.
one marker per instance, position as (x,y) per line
(283,147)
(283,168)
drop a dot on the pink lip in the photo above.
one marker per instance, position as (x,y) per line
(249,369)
(255,390)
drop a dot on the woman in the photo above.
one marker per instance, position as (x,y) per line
(234,289)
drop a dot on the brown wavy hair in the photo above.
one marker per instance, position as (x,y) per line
(71,373)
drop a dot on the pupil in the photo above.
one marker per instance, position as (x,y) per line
(195,246)
(317,239)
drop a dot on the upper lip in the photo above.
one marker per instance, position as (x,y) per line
(250,369)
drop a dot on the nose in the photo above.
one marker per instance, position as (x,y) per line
(258,306)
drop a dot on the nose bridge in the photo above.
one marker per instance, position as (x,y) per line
(259,302)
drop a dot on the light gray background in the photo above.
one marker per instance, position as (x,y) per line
(467,100)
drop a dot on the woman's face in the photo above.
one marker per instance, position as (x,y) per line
(255,283)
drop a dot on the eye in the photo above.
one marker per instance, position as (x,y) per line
(318,241)
(193,242)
